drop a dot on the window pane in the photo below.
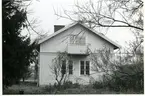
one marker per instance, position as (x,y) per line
(87,67)
(82,63)
(87,63)
(63,71)
(70,71)
(70,67)
(63,67)
(70,64)
(64,64)
(82,72)
(87,72)
(82,67)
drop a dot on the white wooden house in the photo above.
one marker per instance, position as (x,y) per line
(73,39)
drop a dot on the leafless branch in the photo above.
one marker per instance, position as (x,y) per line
(91,15)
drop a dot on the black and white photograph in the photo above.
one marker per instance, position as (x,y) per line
(72,47)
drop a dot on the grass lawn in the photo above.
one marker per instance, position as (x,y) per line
(31,88)
(85,91)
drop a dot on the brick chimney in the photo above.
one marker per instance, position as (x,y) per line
(58,27)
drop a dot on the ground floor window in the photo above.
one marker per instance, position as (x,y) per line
(63,67)
(70,66)
(84,67)
(67,66)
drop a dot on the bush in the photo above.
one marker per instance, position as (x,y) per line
(69,84)
(50,88)
(76,85)
(131,78)
(127,77)
(98,85)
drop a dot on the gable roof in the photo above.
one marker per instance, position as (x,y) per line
(73,24)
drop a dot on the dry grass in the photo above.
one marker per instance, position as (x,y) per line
(30,88)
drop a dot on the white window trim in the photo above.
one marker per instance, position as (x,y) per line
(85,68)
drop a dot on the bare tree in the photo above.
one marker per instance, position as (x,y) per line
(121,66)
(31,24)
(108,13)
(59,68)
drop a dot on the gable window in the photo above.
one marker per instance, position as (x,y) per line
(67,67)
(77,40)
(85,67)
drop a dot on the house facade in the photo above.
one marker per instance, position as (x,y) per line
(74,39)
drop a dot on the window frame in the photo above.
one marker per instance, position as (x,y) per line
(81,68)
(67,69)
(88,68)
(77,40)
(62,66)
(85,69)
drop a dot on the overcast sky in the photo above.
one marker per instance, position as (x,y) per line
(43,10)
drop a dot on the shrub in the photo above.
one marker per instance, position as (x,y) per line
(67,84)
(50,88)
(97,84)
(76,85)
(127,77)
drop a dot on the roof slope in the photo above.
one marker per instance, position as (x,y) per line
(73,24)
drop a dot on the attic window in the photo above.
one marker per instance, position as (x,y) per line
(77,40)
